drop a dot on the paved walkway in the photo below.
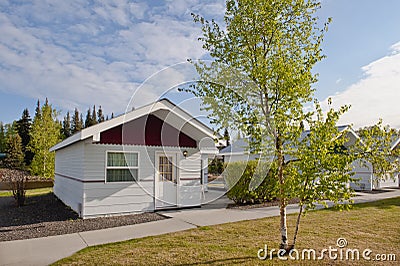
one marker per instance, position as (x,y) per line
(43,251)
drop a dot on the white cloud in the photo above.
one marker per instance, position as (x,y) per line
(83,53)
(375,95)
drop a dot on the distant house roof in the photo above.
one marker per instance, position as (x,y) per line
(163,108)
(395,144)
(240,146)
(2,155)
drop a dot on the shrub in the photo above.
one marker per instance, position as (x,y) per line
(16,180)
(238,176)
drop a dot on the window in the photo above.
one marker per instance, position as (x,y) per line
(165,169)
(122,167)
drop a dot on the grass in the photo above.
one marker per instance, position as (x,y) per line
(29,192)
(371,225)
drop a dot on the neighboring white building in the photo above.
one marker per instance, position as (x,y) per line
(392,181)
(238,151)
(152,158)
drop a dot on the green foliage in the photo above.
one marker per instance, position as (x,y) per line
(100,115)
(91,117)
(24,128)
(2,138)
(216,166)
(66,127)
(45,133)
(77,122)
(376,146)
(238,176)
(320,171)
(15,156)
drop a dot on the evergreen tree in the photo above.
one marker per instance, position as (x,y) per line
(88,120)
(112,115)
(2,138)
(81,121)
(23,129)
(37,110)
(100,116)
(66,126)
(15,156)
(77,123)
(107,118)
(226,137)
(45,133)
(94,116)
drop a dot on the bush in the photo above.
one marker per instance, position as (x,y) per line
(238,176)
(16,180)
(216,166)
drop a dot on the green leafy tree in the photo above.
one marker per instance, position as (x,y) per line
(45,133)
(376,145)
(15,156)
(24,128)
(66,126)
(77,123)
(258,83)
(14,175)
(273,45)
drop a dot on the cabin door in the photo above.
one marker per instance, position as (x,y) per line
(166,185)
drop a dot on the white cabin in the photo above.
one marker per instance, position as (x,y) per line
(152,158)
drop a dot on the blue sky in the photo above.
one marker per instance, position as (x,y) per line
(80,53)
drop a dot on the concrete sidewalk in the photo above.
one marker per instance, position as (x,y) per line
(43,251)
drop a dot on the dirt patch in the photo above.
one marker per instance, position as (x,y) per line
(45,215)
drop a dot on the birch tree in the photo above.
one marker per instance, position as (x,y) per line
(45,133)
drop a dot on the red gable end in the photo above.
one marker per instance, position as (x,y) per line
(147,130)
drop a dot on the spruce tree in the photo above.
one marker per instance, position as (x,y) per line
(23,129)
(76,123)
(88,120)
(2,138)
(37,110)
(100,116)
(94,116)
(66,126)
(81,121)
(226,137)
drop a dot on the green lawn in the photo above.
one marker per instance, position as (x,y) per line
(372,225)
(29,192)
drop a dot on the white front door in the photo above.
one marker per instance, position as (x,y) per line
(166,185)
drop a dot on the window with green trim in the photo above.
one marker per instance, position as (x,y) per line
(122,167)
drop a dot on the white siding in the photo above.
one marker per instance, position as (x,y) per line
(364,173)
(69,166)
(190,167)
(101,198)
(389,182)
(70,192)
(80,179)
(190,190)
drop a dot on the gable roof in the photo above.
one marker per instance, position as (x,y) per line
(240,146)
(180,119)
(395,144)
